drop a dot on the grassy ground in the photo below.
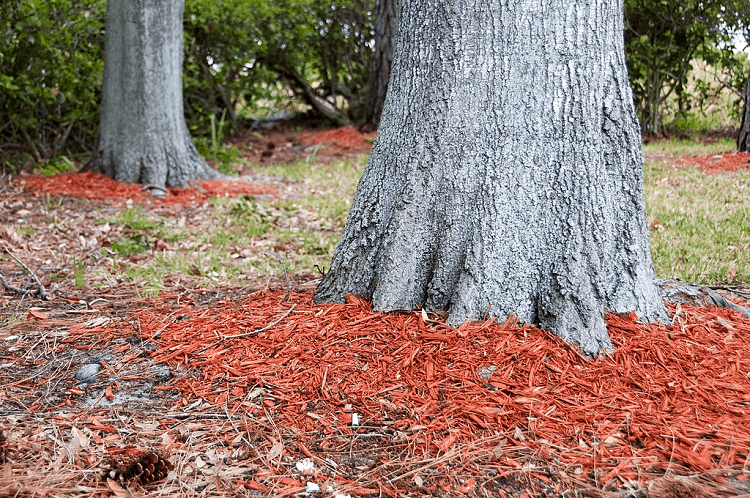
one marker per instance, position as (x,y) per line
(702,234)
(703,230)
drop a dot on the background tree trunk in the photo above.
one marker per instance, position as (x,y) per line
(506,177)
(380,68)
(143,137)
(743,138)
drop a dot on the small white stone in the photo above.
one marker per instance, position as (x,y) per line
(305,465)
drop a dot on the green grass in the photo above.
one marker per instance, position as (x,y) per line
(703,235)
(676,148)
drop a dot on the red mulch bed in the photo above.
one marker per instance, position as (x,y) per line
(670,399)
(97,186)
(727,162)
(345,138)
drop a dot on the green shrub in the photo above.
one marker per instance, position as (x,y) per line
(50,77)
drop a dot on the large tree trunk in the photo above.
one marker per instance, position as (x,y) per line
(743,138)
(506,177)
(143,137)
(380,68)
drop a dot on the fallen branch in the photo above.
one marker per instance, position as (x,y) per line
(40,288)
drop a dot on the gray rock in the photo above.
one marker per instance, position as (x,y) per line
(88,372)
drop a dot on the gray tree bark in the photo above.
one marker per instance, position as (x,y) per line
(743,138)
(380,68)
(506,177)
(143,137)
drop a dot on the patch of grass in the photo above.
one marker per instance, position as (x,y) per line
(78,273)
(59,164)
(151,273)
(135,219)
(703,234)
(329,188)
(675,148)
(27,229)
(135,244)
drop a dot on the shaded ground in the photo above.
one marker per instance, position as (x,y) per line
(357,403)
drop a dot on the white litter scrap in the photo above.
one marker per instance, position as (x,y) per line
(311,487)
(305,466)
(486,372)
(355,419)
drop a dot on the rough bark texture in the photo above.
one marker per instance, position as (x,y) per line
(506,176)
(382,58)
(743,139)
(143,137)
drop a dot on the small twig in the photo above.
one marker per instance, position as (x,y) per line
(40,289)
(258,331)
(246,334)
(229,417)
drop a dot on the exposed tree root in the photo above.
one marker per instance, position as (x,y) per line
(675,291)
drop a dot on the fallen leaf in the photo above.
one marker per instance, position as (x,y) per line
(117,489)
(276,450)
(38,315)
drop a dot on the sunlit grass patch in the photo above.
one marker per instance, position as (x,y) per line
(675,148)
(700,223)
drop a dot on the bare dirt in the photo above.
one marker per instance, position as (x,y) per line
(254,390)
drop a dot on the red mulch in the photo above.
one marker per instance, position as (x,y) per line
(670,398)
(718,163)
(97,186)
(346,137)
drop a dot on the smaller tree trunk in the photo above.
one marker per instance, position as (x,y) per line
(380,68)
(143,137)
(743,138)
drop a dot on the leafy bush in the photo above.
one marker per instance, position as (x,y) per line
(238,52)
(664,38)
(50,77)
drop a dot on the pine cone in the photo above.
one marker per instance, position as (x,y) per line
(4,451)
(144,469)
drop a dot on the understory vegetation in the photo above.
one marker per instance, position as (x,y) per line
(245,60)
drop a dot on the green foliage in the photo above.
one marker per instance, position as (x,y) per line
(134,244)
(213,149)
(135,219)
(665,37)
(54,165)
(78,273)
(250,215)
(239,51)
(50,77)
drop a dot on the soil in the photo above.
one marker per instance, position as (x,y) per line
(253,390)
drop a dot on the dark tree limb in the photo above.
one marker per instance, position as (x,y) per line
(743,138)
(310,96)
